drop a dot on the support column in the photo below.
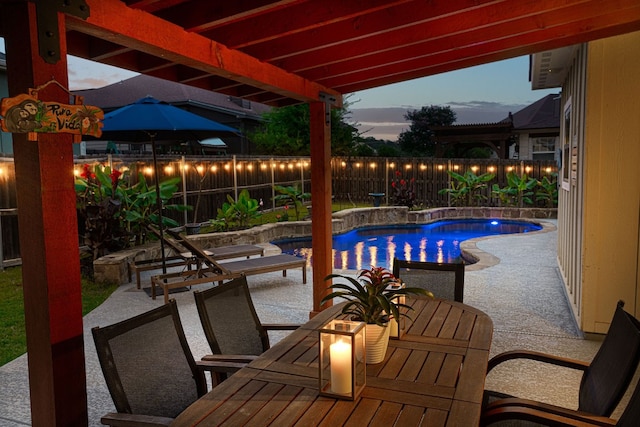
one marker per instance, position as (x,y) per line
(321,230)
(48,233)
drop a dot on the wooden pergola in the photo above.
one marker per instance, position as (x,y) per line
(278,52)
(496,136)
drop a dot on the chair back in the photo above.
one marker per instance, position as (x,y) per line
(147,364)
(444,280)
(611,370)
(229,319)
(198,252)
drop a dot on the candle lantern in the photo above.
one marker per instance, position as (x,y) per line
(397,326)
(342,361)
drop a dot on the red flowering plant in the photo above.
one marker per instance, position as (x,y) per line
(113,215)
(403,191)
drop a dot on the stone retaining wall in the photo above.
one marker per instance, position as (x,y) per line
(114,268)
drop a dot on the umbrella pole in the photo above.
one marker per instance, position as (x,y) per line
(158,202)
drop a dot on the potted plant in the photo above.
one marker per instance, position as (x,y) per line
(371,299)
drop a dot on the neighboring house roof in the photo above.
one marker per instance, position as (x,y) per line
(542,114)
(127,91)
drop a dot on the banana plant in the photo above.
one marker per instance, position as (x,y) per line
(291,195)
(465,190)
(548,191)
(518,191)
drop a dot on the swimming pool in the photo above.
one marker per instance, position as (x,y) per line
(437,242)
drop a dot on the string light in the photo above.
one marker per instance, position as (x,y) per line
(373,165)
(548,170)
(527,169)
(168,169)
(263,166)
(407,167)
(423,167)
(227,166)
(474,168)
(491,168)
(148,170)
(250,166)
(392,165)
(214,168)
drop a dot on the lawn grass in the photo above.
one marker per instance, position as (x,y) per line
(13,340)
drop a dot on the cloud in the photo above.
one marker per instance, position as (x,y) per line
(387,123)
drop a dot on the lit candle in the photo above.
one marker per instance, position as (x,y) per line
(340,353)
(393,332)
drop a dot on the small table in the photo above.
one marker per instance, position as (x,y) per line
(377,197)
(433,375)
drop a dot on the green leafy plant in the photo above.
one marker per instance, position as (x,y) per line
(518,191)
(370,296)
(465,190)
(113,215)
(237,212)
(291,195)
(547,191)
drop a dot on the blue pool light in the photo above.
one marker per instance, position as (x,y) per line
(494,223)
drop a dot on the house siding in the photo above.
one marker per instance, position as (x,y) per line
(599,202)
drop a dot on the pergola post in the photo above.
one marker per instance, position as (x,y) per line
(48,232)
(321,231)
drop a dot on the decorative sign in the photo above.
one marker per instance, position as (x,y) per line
(25,113)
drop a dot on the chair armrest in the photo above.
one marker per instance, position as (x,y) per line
(134,420)
(220,366)
(540,357)
(280,326)
(538,406)
(237,358)
(576,419)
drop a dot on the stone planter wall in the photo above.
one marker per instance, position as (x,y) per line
(114,268)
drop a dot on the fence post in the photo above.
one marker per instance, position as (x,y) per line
(386,180)
(235,178)
(183,168)
(272,165)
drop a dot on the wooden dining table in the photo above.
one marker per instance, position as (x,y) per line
(432,376)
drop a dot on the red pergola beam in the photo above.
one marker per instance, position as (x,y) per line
(146,33)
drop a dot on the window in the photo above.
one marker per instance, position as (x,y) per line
(543,148)
(566,145)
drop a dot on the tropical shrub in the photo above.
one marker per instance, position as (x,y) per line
(291,195)
(465,190)
(112,215)
(547,191)
(517,192)
(237,213)
(403,192)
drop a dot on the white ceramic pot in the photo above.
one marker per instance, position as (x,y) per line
(377,341)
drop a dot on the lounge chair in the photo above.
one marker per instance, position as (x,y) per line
(604,380)
(182,257)
(214,271)
(149,368)
(443,280)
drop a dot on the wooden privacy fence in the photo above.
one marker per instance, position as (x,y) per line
(212,179)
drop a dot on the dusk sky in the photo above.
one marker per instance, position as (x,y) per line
(482,94)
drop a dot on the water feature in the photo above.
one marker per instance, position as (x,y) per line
(437,242)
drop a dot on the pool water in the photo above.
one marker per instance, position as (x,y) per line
(436,242)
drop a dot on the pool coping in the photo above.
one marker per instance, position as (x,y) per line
(114,268)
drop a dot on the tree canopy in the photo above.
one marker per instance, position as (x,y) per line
(286,132)
(418,140)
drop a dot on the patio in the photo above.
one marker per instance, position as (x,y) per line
(523,294)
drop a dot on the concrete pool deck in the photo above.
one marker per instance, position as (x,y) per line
(523,294)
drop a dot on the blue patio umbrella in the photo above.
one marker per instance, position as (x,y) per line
(149,120)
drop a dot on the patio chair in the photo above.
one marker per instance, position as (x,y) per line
(231,324)
(604,380)
(149,368)
(512,413)
(444,280)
